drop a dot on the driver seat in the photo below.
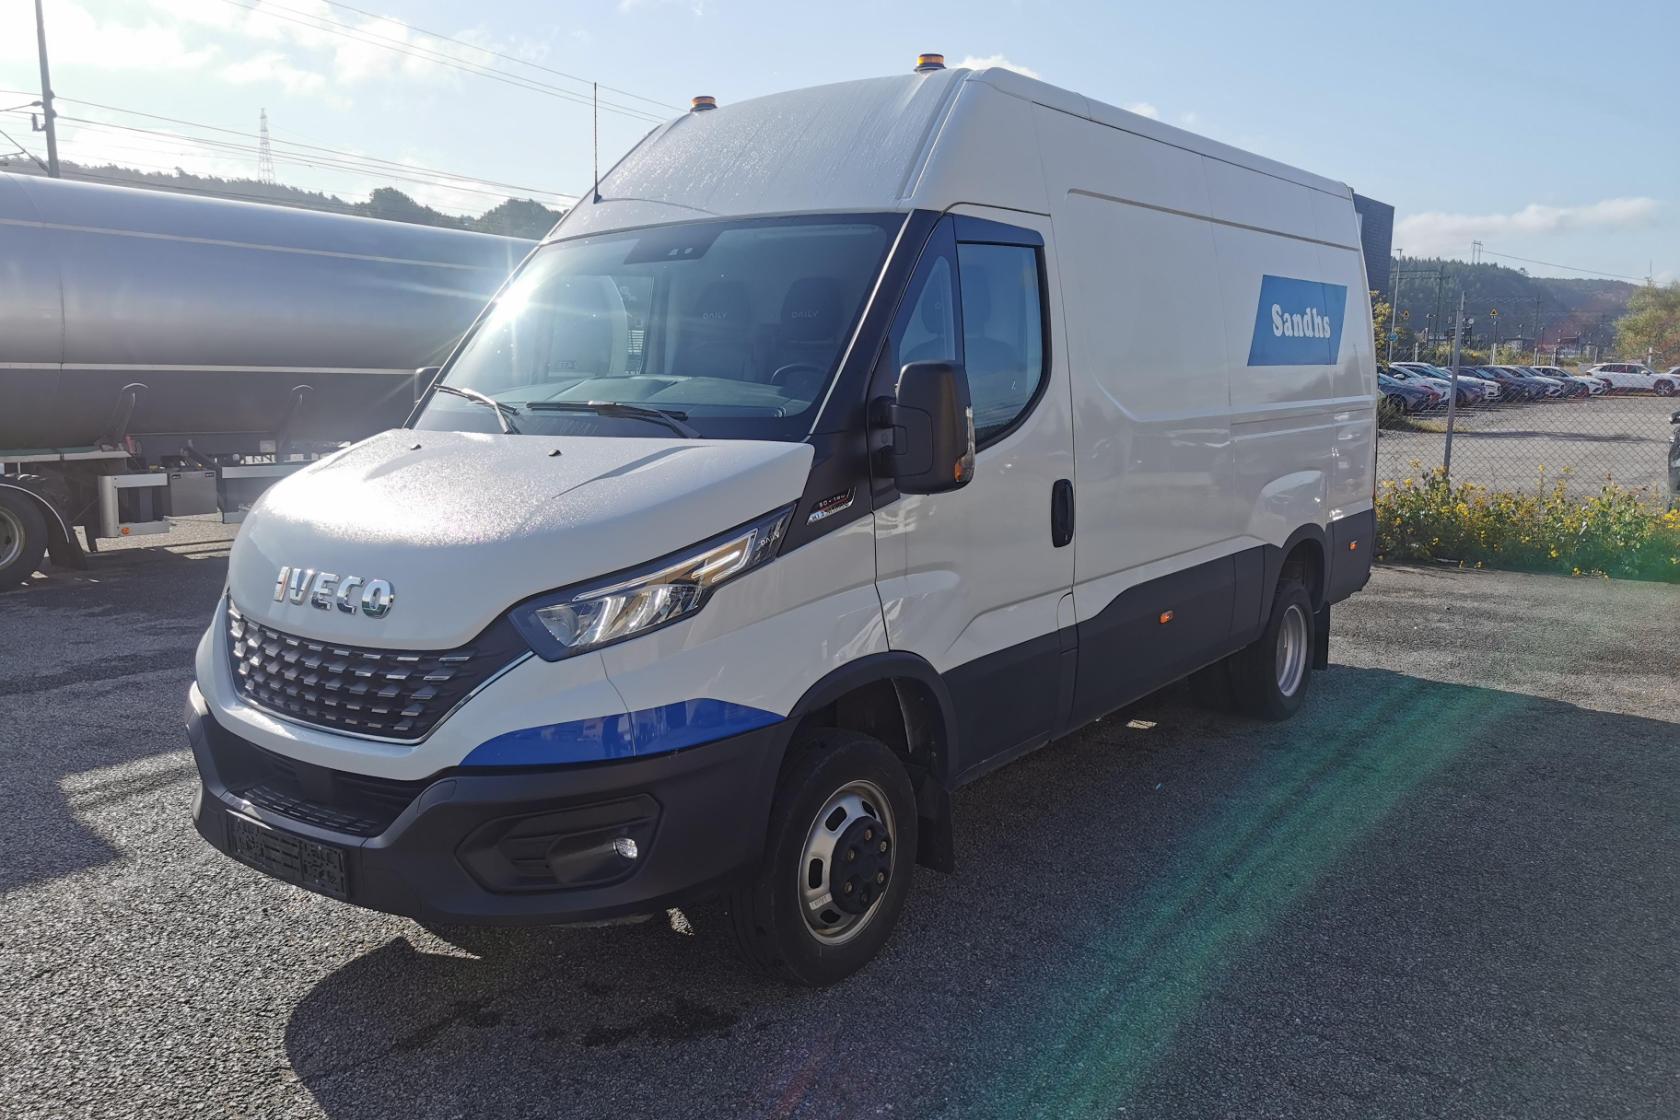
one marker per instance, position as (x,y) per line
(716,339)
(807,335)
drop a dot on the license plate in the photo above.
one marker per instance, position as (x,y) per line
(296,859)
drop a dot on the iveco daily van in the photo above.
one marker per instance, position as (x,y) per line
(852,442)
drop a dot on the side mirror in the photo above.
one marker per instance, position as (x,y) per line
(1675,419)
(930,423)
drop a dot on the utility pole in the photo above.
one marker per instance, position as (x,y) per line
(1452,395)
(1394,306)
(265,153)
(1537,331)
(1435,320)
(47,113)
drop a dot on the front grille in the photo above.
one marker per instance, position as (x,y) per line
(390,693)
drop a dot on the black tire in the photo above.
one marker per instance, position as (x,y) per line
(1255,670)
(1664,388)
(767,916)
(23,537)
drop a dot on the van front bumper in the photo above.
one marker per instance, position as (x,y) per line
(520,846)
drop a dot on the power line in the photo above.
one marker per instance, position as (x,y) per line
(372,162)
(303,160)
(179,188)
(323,162)
(500,54)
(24,151)
(140,180)
(335,27)
(1566,267)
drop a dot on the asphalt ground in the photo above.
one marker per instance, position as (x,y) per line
(1449,888)
(1523,447)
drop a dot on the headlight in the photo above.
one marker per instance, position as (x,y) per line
(569,622)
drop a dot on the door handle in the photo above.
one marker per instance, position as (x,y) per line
(1061,512)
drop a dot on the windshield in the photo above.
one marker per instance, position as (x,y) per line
(733,328)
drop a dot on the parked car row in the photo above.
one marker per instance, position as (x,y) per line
(1422,387)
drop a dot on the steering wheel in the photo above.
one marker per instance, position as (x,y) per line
(792,371)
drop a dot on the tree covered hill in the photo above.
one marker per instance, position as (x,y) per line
(1562,308)
(513,217)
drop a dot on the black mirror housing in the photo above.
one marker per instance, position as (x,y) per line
(931,422)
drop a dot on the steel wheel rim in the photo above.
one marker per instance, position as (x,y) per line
(1292,650)
(11,537)
(823,919)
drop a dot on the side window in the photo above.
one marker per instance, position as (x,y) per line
(1003,332)
(928,331)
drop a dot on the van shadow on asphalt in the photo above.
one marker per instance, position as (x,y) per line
(1455,897)
(94,670)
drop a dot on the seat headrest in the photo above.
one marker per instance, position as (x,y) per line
(723,303)
(811,311)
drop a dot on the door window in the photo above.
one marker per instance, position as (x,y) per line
(928,333)
(1003,333)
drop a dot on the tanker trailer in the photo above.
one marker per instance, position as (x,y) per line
(165,355)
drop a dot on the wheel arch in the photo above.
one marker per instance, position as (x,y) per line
(62,544)
(900,699)
(1307,547)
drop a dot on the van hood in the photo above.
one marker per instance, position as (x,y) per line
(463,525)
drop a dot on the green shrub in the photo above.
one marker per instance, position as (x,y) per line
(1616,532)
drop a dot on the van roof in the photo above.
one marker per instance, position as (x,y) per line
(852,146)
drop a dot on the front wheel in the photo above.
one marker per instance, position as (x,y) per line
(837,861)
(1665,388)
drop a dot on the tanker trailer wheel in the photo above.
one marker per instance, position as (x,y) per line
(23,538)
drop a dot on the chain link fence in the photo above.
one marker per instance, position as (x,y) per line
(1530,438)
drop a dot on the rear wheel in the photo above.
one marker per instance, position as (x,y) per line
(1269,677)
(23,537)
(837,860)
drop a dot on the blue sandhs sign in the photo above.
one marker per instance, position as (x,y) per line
(1299,323)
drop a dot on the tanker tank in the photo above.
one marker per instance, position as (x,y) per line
(220,309)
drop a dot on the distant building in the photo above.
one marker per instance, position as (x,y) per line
(1376,235)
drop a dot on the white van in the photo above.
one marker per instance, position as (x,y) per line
(853,442)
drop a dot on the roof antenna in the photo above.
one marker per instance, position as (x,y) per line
(595,90)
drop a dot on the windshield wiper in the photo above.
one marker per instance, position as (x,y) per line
(504,412)
(667,417)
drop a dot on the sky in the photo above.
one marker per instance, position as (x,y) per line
(1547,130)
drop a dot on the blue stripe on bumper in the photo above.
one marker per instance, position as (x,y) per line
(670,727)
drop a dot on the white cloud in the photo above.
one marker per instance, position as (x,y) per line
(1143,109)
(309,47)
(272,67)
(1437,232)
(79,39)
(975,62)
